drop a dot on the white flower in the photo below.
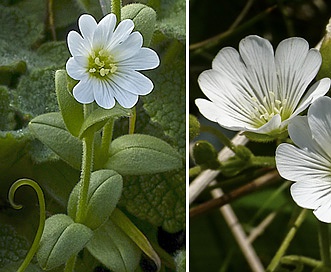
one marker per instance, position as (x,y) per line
(309,164)
(258,91)
(106,59)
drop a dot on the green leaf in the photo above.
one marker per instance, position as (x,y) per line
(144,19)
(166,104)
(17,29)
(35,92)
(103,195)
(123,222)
(158,199)
(99,117)
(72,111)
(61,239)
(12,247)
(7,121)
(114,249)
(49,128)
(139,154)
(180,260)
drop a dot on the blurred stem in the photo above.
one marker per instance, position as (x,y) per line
(242,14)
(218,38)
(263,161)
(132,120)
(220,135)
(286,242)
(70,265)
(324,243)
(51,19)
(105,6)
(42,217)
(301,259)
(116,6)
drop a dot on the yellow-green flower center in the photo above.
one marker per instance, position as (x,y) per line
(101,64)
(263,111)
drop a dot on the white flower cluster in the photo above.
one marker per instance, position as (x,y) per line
(259,91)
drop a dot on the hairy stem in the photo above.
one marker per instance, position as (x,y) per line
(116,6)
(324,243)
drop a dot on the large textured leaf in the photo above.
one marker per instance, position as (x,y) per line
(166,104)
(159,199)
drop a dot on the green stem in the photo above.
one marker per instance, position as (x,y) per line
(194,171)
(70,265)
(116,6)
(324,243)
(263,161)
(301,259)
(87,164)
(107,136)
(223,139)
(42,217)
(286,243)
(132,120)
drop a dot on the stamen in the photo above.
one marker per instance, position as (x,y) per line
(101,64)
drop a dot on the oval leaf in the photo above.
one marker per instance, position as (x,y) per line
(49,128)
(61,239)
(99,117)
(104,193)
(114,249)
(72,111)
(139,154)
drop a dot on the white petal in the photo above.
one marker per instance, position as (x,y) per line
(314,195)
(323,213)
(319,89)
(258,56)
(298,165)
(75,70)
(296,67)
(83,92)
(77,45)
(133,82)
(124,98)
(103,33)
(121,33)
(214,113)
(145,59)
(230,64)
(130,47)
(232,104)
(319,119)
(273,125)
(103,94)
(87,26)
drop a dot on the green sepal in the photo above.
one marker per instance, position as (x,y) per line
(99,117)
(265,138)
(103,195)
(204,154)
(50,129)
(72,111)
(139,154)
(61,239)
(144,19)
(114,249)
(124,223)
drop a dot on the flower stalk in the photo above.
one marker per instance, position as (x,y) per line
(324,243)
(116,6)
